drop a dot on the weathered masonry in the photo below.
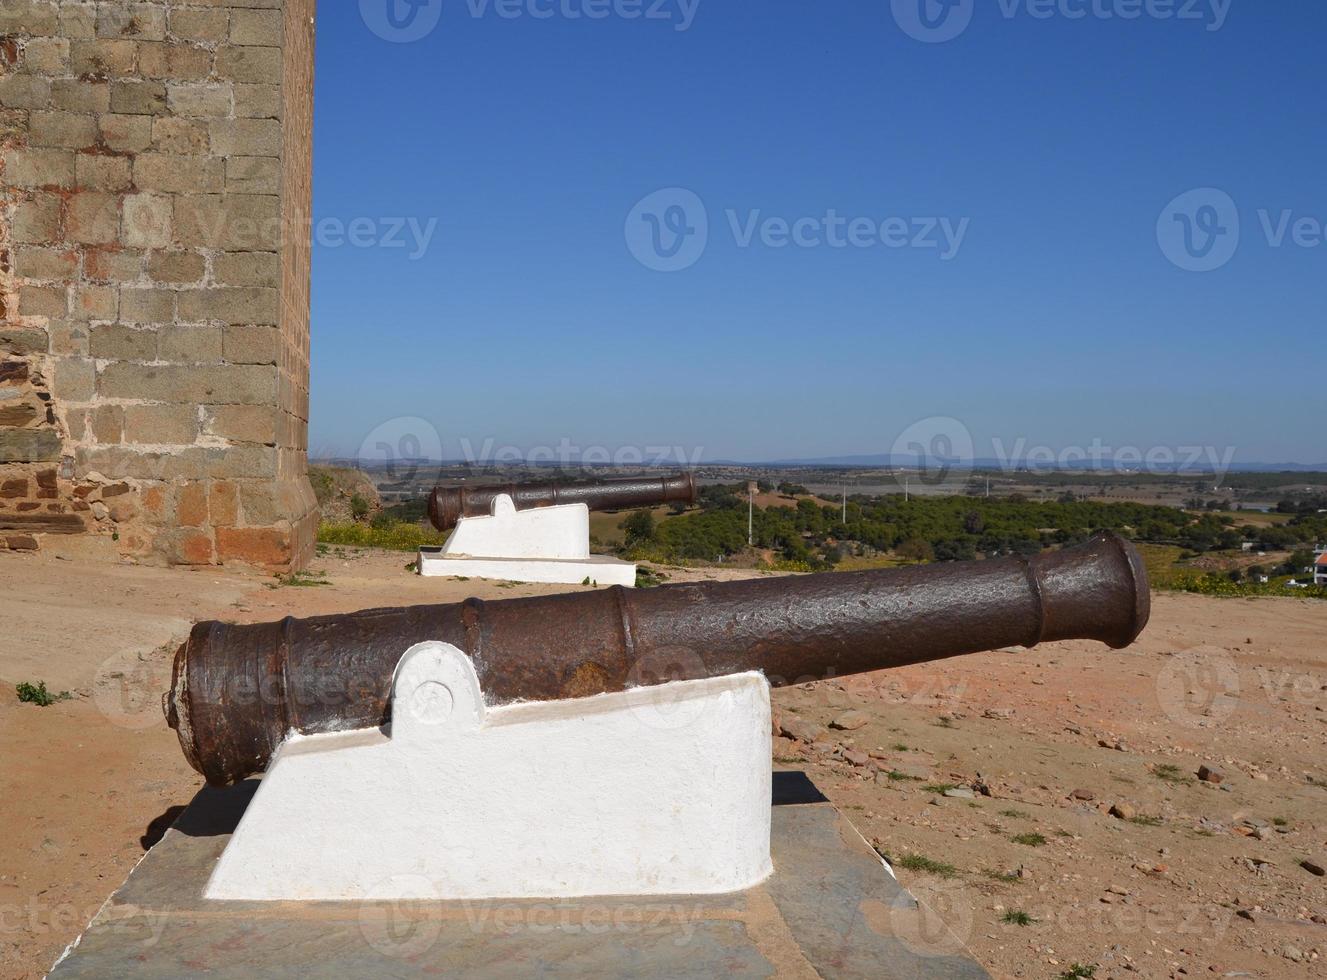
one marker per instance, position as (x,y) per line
(154,276)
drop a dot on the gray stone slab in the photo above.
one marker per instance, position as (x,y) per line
(831,910)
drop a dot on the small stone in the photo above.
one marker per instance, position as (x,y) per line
(1315,865)
(1083,794)
(999,714)
(800,729)
(850,721)
(960,793)
(1247,914)
(856,757)
(1293,953)
(1210,774)
(1123,811)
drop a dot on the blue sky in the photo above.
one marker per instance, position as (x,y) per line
(530,302)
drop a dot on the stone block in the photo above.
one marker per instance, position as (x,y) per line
(43,301)
(243,423)
(120,342)
(243,462)
(233,223)
(29,445)
(257,101)
(252,344)
(191,345)
(195,24)
(74,380)
(267,547)
(161,425)
(230,304)
(28,17)
(185,546)
(23,340)
(174,61)
(113,264)
(141,21)
(93,217)
(142,98)
(100,172)
(78,20)
(125,133)
(249,63)
(25,92)
(107,424)
(225,384)
(191,504)
(253,175)
(45,263)
(256,27)
(176,267)
(48,55)
(201,99)
(171,134)
(77,95)
(103,58)
(245,137)
(147,304)
(95,302)
(178,174)
(44,167)
(247,269)
(37,220)
(223,503)
(147,220)
(63,129)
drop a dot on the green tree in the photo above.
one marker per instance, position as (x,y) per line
(639,527)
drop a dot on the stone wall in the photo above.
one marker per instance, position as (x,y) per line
(154,276)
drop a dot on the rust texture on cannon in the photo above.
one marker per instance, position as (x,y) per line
(447,505)
(237,691)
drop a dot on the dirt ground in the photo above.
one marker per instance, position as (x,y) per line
(1205,879)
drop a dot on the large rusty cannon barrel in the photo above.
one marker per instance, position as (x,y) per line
(447,505)
(236,691)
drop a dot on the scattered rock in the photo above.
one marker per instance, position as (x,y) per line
(999,714)
(856,757)
(1247,914)
(1123,811)
(1293,953)
(1315,865)
(850,721)
(960,793)
(1083,794)
(1210,774)
(801,729)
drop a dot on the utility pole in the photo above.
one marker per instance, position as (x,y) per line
(750,513)
(906,480)
(845,502)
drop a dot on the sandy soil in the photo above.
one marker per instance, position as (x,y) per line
(89,782)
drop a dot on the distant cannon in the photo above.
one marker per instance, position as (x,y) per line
(447,505)
(238,691)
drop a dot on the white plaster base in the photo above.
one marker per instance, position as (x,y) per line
(599,570)
(657,790)
(542,544)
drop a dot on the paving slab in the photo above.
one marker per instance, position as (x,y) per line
(832,909)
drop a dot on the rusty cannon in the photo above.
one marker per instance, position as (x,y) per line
(447,505)
(237,691)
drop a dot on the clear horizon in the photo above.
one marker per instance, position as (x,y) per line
(765,232)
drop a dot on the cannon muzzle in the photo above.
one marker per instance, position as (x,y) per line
(237,691)
(447,505)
